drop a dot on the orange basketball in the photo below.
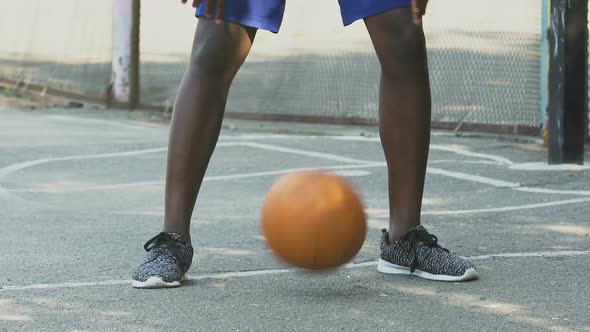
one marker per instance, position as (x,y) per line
(313,220)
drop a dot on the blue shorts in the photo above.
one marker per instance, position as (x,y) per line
(268,14)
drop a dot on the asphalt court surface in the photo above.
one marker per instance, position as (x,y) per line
(82,190)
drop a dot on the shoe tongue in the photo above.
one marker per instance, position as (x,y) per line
(415,233)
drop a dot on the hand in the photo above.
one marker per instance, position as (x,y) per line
(209,4)
(418,10)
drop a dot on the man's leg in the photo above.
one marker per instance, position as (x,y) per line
(218,52)
(404,113)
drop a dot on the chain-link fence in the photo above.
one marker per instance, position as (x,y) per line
(485,64)
(484,60)
(62,45)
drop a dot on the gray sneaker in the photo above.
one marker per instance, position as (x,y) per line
(168,259)
(419,254)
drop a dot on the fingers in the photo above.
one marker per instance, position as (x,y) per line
(423,7)
(417,12)
(209,8)
(219,9)
(210,5)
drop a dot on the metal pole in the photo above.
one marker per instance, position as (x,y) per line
(134,59)
(568,80)
(545,14)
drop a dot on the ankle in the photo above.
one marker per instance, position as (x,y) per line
(185,234)
(398,231)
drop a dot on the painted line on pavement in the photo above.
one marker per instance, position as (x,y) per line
(245,274)
(497,209)
(206,179)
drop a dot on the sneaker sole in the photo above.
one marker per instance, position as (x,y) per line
(389,268)
(157,282)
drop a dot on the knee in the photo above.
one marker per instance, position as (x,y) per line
(214,59)
(405,50)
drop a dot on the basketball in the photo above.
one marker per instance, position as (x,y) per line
(313,220)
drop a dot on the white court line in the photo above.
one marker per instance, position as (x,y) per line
(535,166)
(255,273)
(530,166)
(206,179)
(327,156)
(553,191)
(448,161)
(247,137)
(286,171)
(434,213)
(538,254)
(498,209)
(509,208)
(23,165)
(139,213)
(426,213)
(128,125)
(88,188)
(4,171)
(473,178)
(367,138)
(458,175)
(366,164)
(438,147)
(564,253)
(465,152)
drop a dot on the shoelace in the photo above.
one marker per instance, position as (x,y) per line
(157,240)
(421,235)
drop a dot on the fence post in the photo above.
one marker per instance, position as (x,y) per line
(568,80)
(125,62)
(134,61)
(545,14)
